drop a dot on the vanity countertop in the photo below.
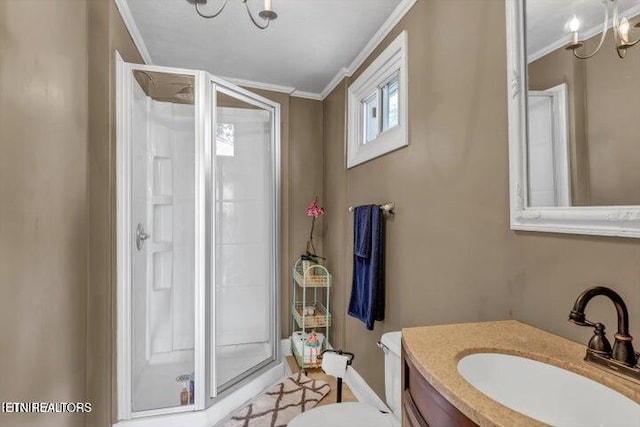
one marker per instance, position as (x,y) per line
(436,351)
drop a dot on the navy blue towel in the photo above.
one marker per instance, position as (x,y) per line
(367,289)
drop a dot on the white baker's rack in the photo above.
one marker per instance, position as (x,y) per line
(309,284)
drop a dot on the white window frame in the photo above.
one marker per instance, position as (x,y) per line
(391,62)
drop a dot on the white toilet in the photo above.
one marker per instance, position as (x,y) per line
(356,414)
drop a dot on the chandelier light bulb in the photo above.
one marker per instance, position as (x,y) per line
(267,15)
(623,30)
(574,24)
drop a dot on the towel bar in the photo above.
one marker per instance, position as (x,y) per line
(387,207)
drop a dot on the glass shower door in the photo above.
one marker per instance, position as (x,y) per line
(245,266)
(163,177)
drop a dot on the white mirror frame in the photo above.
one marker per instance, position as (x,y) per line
(621,221)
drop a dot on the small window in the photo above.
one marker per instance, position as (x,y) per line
(371,118)
(390,104)
(378,106)
(381,110)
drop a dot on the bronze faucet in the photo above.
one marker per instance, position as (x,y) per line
(621,358)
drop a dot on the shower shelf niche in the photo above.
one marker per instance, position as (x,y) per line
(311,285)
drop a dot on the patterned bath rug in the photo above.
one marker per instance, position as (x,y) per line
(281,403)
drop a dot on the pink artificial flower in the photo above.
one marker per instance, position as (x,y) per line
(314,210)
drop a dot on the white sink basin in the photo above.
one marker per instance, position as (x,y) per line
(547,393)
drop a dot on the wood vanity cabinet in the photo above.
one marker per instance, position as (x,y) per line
(422,405)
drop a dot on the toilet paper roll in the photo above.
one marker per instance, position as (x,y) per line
(335,364)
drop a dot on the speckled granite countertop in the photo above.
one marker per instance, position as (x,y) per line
(436,350)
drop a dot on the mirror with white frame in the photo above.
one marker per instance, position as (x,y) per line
(574,128)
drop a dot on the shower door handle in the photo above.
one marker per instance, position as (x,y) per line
(141,236)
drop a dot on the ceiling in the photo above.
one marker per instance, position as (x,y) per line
(547,21)
(309,43)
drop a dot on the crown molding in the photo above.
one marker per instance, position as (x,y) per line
(565,40)
(259,85)
(130,23)
(307,95)
(398,13)
(593,31)
(335,81)
(291,91)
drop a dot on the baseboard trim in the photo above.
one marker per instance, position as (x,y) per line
(362,391)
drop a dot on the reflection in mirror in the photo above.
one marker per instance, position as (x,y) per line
(583,145)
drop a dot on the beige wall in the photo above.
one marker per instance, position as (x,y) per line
(551,270)
(107,35)
(448,243)
(450,254)
(57,61)
(43,212)
(335,203)
(305,183)
(613,127)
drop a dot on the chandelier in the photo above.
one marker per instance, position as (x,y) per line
(620,30)
(267,14)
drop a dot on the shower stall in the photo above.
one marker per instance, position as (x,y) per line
(197,254)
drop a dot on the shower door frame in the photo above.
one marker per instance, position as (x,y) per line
(215,84)
(125,240)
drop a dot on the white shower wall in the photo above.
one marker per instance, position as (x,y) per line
(172,225)
(242,204)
